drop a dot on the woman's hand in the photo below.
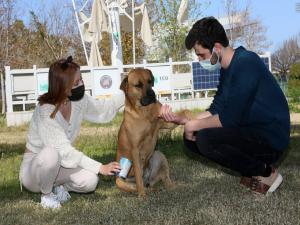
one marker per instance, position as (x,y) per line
(167,114)
(110,169)
(189,129)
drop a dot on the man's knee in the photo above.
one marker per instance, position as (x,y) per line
(203,141)
(202,144)
(190,147)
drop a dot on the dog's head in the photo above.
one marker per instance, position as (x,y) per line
(137,86)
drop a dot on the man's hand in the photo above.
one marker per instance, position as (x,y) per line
(189,129)
(167,114)
(197,124)
(110,168)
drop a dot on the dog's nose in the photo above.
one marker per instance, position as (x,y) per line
(150,92)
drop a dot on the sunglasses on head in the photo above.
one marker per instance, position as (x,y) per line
(64,65)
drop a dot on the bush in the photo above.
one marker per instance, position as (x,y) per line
(294,90)
(294,95)
(295,71)
(2,120)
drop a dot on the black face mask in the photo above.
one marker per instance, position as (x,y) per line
(77,93)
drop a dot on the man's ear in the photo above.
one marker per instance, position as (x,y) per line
(124,85)
(152,77)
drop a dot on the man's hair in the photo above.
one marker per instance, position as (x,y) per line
(206,32)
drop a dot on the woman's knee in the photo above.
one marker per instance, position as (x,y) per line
(91,183)
(85,181)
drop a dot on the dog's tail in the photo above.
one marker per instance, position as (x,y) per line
(125,186)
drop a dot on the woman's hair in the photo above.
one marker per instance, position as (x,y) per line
(206,32)
(60,81)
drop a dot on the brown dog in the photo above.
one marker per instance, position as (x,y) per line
(138,134)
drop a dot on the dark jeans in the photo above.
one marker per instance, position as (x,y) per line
(238,150)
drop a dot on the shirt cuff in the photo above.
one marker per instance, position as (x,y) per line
(90,164)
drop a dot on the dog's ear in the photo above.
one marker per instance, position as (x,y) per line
(124,85)
(152,77)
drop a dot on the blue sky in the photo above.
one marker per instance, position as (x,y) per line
(278,16)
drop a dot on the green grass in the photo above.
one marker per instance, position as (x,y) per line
(205,193)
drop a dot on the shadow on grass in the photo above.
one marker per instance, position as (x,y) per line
(11,149)
(105,158)
(291,156)
(10,191)
(183,168)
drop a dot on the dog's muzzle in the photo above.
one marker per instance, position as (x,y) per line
(149,98)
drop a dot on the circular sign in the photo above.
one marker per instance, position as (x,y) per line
(105,82)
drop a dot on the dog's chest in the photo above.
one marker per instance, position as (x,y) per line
(145,134)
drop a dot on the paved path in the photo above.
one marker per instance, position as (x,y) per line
(295,118)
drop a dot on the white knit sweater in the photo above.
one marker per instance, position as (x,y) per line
(59,134)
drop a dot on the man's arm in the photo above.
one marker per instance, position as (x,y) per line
(197,124)
(203,115)
(167,114)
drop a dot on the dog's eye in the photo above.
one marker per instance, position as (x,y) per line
(139,85)
(150,81)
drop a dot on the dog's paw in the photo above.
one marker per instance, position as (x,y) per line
(175,185)
(153,189)
(142,195)
(170,186)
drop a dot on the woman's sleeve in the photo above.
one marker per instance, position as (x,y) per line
(53,136)
(102,110)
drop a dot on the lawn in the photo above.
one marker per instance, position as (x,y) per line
(205,193)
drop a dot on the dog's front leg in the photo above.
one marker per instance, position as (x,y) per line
(138,172)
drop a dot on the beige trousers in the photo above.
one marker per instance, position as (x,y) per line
(41,172)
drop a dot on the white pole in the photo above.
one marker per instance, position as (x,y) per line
(116,54)
(133,31)
(81,36)
(36,92)
(2,92)
(8,90)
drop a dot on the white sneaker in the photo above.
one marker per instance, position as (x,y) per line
(62,195)
(50,201)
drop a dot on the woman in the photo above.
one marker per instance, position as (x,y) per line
(51,165)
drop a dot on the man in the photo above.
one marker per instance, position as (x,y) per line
(247,126)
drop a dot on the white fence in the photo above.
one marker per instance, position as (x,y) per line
(173,84)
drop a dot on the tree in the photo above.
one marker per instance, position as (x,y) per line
(7,13)
(244,30)
(127,48)
(168,35)
(58,33)
(7,10)
(285,57)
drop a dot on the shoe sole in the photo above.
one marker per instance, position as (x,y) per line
(276,184)
(65,199)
